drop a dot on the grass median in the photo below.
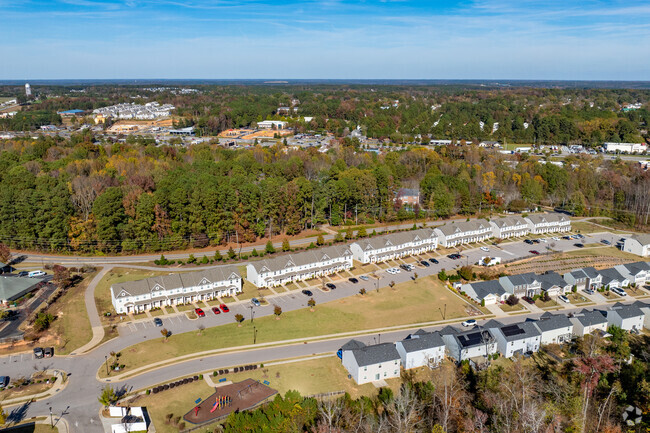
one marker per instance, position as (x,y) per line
(406,303)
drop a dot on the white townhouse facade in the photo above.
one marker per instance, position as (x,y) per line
(394,245)
(475,343)
(516,339)
(421,349)
(638,244)
(645,309)
(299,266)
(636,273)
(553,284)
(584,278)
(463,232)
(548,223)
(506,227)
(490,292)
(175,289)
(611,278)
(586,322)
(555,328)
(626,316)
(371,363)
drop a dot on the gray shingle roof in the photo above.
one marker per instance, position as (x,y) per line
(590,318)
(547,217)
(609,275)
(176,281)
(485,288)
(509,221)
(419,342)
(626,311)
(463,226)
(301,259)
(549,322)
(375,354)
(550,280)
(396,239)
(643,238)
(12,287)
(520,331)
(353,344)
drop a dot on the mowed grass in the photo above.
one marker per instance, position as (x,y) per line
(118,275)
(407,303)
(177,401)
(72,325)
(585,227)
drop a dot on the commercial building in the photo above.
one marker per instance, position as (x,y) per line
(625,147)
(272,124)
(12,287)
(175,289)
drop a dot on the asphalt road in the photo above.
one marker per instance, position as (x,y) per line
(78,399)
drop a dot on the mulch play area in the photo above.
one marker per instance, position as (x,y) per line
(229,398)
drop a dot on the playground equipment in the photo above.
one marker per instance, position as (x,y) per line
(221,401)
(196,410)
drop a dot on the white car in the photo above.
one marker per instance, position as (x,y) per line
(364,277)
(486,249)
(393,271)
(543,240)
(555,238)
(469,322)
(619,292)
(564,299)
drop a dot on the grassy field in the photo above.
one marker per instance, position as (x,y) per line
(118,275)
(309,377)
(72,326)
(585,227)
(511,308)
(407,303)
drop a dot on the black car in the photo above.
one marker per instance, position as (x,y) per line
(535,241)
(307,292)
(48,352)
(22,274)
(425,263)
(330,286)
(157,321)
(529,242)
(434,261)
(353,280)
(38,352)
(578,245)
(4,381)
(606,242)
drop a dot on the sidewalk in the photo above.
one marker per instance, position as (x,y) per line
(59,385)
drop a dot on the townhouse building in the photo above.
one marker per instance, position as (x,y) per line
(554,328)
(421,349)
(515,339)
(299,266)
(527,284)
(626,316)
(548,223)
(584,278)
(464,345)
(553,284)
(372,363)
(175,289)
(638,244)
(394,245)
(636,273)
(588,322)
(463,232)
(612,278)
(506,227)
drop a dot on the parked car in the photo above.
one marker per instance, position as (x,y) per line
(577,245)
(564,299)
(255,302)
(486,249)
(330,286)
(21,274)
(364,277)
(528,299)
(48,352)
(353,280)
(434,261)
(606,242)
(469,322)
(199,312)
(216,310)
(224,308)
(555,238)
(528,241)
(157,321)
(534,252)
(589,291)
(425,263)
(38,352)
(543,240)
(535,241)
(307,293)
(4,382)
(566,238)
(619,292)
(579,236)
(393,271)
(35,274)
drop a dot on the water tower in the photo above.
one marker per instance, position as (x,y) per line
(28,90)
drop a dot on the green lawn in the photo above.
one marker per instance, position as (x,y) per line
(549,304)
(72,326)
(585,227)
(118,275)
(578,299)
(407,303)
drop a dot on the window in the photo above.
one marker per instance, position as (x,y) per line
(365,368)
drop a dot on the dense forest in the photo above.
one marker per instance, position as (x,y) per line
(587,392)
(77,195)
(400,113)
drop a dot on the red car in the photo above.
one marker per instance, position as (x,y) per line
(199,312)
(216,310)
(534,252)
(224,308)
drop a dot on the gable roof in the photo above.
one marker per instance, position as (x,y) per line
(519,331)
(300,259)
(463,226)
(590,318)
(509,221)
(550,280)
(396,239)
(610,274)
(485,288)
(550,322)
(12,287)
(626,311)
(642,238)
(418,342)
(547,218)
(375,354)
(175,281)
(353,344)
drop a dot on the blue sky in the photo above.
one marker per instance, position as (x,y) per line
(335,39)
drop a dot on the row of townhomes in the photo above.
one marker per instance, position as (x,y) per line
(299,266)
(372,363)
(465,232)
(531,284)
(394,245)
(175,289)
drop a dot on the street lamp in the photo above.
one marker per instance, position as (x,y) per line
(252,312)
(106,358)
(254,334)
(51,419)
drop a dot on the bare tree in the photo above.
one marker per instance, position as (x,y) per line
(449,394)
(404,411)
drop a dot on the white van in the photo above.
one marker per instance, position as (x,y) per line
(34,274)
